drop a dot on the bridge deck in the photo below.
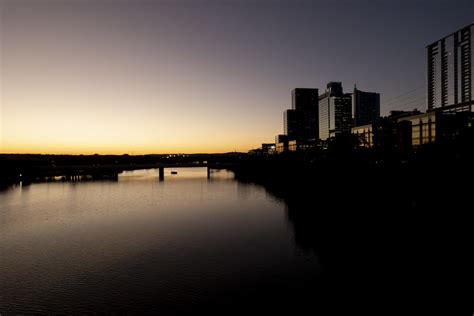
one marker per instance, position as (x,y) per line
(117,168)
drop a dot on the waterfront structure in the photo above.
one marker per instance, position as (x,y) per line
(335,111)
(438,126)
(450,72)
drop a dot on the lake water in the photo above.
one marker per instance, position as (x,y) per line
(137,245)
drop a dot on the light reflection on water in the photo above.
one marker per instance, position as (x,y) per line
(182,174)
(140,245)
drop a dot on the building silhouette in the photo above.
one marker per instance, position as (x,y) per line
(366,107)
(393,130)
(450,72)
(313,120)
(281,143)
(281,138)
(293,124)
(301,121)
(438,126)
(335,111)
(450,88)
(306,100)
(450,98)
(268,148)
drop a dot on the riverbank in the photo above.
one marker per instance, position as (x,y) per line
(384,232)
(36,168)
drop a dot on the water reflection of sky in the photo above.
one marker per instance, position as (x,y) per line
(181,174)
(107,246)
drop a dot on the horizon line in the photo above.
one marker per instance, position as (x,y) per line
(126,154)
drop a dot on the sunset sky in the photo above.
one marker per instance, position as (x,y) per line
(113,76)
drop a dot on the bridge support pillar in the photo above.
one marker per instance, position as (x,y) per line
(161,173)
(208,172)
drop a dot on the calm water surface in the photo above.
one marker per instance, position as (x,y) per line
(138,245)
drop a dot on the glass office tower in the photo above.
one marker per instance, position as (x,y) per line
(335,111)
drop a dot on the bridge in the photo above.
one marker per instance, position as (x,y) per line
(108,170)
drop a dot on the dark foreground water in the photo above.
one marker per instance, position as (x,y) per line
(137,245)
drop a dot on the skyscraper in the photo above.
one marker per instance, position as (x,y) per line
(335,111)
(301,121)
(293,124)
(306,100)
(450,72)
(366,107)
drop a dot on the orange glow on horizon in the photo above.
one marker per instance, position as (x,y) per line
(109,150)
(68,87)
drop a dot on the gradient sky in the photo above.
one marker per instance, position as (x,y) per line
(113,76)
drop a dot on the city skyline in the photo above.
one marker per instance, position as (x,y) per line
(181,77)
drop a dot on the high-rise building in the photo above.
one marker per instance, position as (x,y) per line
(335,111)
(301,122)
(366,107)
(281,139)
(450,72)
(306,100)
(293,123)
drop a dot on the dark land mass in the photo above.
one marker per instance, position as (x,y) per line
(391,234)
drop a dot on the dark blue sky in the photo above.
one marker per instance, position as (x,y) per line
(203,75)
